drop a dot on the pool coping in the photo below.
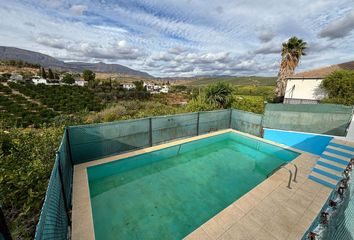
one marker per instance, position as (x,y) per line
(82,220)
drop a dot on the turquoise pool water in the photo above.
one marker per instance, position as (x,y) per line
(168,193)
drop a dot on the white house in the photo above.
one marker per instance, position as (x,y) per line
(164,89)
(303,90)
(38,80)
(128,86)
(149,86)
(305,87)
(15,77)
(80,83)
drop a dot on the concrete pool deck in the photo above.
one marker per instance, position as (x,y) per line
(268,211)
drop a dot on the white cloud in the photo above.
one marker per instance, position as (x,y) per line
(78,9)
(339,28)
(176,37)
(266,36)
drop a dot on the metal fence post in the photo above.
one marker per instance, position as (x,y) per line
(150,131)
(261,130)
(69,145)
(230,120)
(4,230)
(198,114)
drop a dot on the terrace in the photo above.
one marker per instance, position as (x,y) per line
(284,203)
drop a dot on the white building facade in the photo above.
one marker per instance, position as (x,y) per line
(39,80)
(128,86)
(302,90)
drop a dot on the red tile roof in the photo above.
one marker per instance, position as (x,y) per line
(325,71)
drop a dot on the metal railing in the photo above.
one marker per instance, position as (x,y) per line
(290,176)
(291,173)
(295,175)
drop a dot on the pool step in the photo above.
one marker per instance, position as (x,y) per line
(345,147)
(325,183)
(331,158)
(348,150)
(331,164)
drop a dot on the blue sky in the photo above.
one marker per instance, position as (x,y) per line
(184,37)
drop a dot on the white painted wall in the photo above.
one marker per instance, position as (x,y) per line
(304,89)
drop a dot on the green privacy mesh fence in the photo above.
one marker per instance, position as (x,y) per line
(54,219)
(246,122)
(167,128)
(328,119)
(89,142)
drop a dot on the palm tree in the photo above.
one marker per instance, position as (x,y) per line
(219,94)
(291,53)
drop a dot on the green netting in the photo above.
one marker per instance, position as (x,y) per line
(246,122)
(89,142)
(214,121)
(66,167)
(167,128)
(54,221)
(328,119)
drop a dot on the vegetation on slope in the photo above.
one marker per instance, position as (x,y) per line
(26,161)
(242,81)
(68,99)
(17,111)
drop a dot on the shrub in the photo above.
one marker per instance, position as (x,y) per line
(199,104)
(219,94)
(26,161)
(339,86)
(68,79)
(249,103)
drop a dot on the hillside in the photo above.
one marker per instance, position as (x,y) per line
(251,80)
(12,53)
(325,71)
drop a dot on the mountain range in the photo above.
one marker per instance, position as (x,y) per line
(12,53)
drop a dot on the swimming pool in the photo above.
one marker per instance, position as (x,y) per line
(166,194)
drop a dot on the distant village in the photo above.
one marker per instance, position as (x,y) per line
(151,87)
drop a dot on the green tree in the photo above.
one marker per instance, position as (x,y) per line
(88,75)
(339,87)
(43,73)
(50,74)
(68,78)
(139,86)
(291,53)
(219,94)
(199,104)
(56,75)
(254,104)
(26,160)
